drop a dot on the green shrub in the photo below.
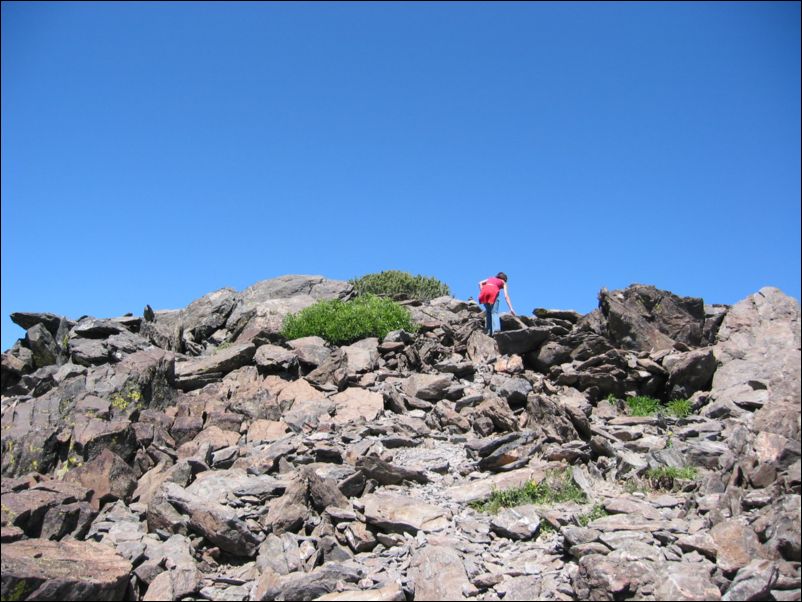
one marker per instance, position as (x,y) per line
(393,283)
(648,406)
(342,322)
(642,405)
(680,408)
(556,488)
(662,478)
(597,511)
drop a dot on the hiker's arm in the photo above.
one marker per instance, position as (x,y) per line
(507,297)
(481,284)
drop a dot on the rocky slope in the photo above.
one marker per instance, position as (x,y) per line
(195,455)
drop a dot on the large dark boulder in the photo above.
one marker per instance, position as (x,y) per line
(644,318)
(521,340)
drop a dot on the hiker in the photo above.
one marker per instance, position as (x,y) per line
(489,290)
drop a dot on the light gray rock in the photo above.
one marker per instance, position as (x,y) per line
(439,574)
(195,373)
(685,581)
(274,359)
(689,372)
(601,578)
(753,581)
(759,347)
(311,351)
(261,308)
(430,387)
(518,523)
(398,514)
(362,355)
(305,586)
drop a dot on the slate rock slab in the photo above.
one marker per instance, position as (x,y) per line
(38,569)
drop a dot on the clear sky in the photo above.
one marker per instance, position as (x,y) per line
(155,152)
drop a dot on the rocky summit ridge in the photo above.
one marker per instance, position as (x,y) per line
(194,454)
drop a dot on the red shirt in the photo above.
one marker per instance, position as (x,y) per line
(490,290)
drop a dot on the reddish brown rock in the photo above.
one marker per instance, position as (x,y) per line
(38,569)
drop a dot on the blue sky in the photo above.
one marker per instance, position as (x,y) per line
(154,152)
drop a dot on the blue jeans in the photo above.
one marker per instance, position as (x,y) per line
(492,321)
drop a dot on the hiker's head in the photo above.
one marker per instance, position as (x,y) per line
(502,276)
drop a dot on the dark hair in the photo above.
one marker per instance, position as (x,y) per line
(502,275)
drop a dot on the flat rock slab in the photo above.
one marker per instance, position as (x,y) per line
(519,523)
(388,593)
(482,489)
(439,574)
(39,569)
(398,513)
(189,374)
(355,403)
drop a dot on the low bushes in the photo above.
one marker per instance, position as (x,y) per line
(648,406)
(396,284)
(343,322)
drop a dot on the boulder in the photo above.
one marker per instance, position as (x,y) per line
(689,372)
(430,387)
(107,476)
(522,340)
(362,355)
(195,373)
(41,342)
(439,574)
(355,403)
(397,514)
(37,569)
(261,308)
(758,348)
(274,359)
(27,320)
(216,522)
(644,318)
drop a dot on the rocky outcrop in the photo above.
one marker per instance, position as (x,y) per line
(195,454)
(758,351)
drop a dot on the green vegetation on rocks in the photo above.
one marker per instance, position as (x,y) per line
(648,406)
(662,478)
(556,488)
(343,322)
(393,283)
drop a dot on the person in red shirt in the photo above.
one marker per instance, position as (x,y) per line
(489,290)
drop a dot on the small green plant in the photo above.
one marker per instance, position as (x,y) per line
(122,399)
(642,405)
(342,322)
(19,592)
(556,488)
(597,511)
(394,283)
(611,398)
(680,408)
(663,477)
(223,345)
